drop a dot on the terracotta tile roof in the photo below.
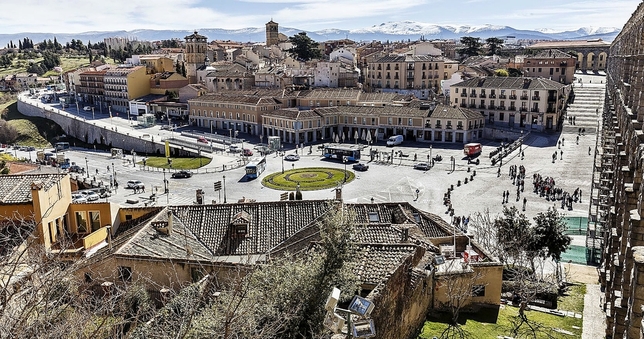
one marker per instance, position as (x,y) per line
(376,261)
(336,93)
(404,58)
(550,54)
(450,112)
(16,189)
(570,43)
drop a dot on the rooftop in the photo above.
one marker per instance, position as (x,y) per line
(16,189)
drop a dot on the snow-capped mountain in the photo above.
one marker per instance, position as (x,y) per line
(391,31)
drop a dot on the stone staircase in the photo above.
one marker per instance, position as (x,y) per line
(586,108)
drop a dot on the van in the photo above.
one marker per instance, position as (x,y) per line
(472,149)
(395,140)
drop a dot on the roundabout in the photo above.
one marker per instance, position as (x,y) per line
(309,179)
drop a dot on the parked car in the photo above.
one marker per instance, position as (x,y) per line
(234,149)
(422,166)
(360,167)
(76,169)
(182,174)
(247,152)
(135,184)
(292,157)
(90,195)
(78,198)
(87,108)
(395,140)
(203,140)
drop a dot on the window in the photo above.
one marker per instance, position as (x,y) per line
(95,220)
(478,291)
(374,217)
(81,222)
(125,273)
(410,122)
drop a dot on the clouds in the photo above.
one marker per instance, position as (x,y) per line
(90,15)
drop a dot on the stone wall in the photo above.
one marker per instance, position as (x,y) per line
(407,294)
(91,133)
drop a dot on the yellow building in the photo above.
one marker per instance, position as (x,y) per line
(42,205)
(123,84)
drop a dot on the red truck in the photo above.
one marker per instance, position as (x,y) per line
(472,149)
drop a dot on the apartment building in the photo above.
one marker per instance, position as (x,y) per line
(123,84)
(90,88)
(551,64)
(524,103)
(413,74)
(162,83)
(616,226)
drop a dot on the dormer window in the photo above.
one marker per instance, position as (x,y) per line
(416,217)
(240,226)
(374,217)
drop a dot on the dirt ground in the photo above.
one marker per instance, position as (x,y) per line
(581,273)
(21,167)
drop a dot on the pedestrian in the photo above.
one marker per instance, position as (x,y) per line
(143,188)
(563,140)
(498,172)
(525,201)
(97,171)
(573,120)
(116,184)
(561,155)
(108,168)
(589,149)
(559,144)
(578,140)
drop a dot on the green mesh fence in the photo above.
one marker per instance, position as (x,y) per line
(575,254)
(576,225)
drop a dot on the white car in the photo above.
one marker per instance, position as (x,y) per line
(135,184)
(78,198)
(87,108)
(90,195)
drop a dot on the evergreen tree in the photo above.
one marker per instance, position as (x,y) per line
(304,48)
(19,45)
(472,46)
(493,45)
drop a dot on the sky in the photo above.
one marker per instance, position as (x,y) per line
(75,16)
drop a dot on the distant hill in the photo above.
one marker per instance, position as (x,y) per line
(389,31)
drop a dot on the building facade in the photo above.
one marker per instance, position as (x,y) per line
(123,84)
(414,74)
(507,102)
(551,64)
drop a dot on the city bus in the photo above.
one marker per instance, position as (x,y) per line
(255,167)
(61,146)
(339,151)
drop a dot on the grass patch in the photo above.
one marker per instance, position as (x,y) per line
(309,179)
(177,163)
(67,63)
(475,327)
(32,131)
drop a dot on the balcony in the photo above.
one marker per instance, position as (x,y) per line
(552,99)
(523,109)
(535,109)
(536,97)
(492,96)
(464,105)
(459,127)
(388,76)
(482,106)
(482,95)
(448,126)
(513,97)
(524,97)
(438,126)
(502,108)
(491,107)
(410,77)
(464,95)
(472,105)
(502,96)
(396,77)
(473,95)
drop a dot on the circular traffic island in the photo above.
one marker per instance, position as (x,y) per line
(309,179)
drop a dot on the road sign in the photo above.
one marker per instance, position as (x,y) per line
(284,196)
(217,186)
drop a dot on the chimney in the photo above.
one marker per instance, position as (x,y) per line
(405,235)
(170,221)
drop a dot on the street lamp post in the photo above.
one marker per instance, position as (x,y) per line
(134,158)
(114,177)
(230,135)
(282,154)
(344,160)
(93,117)
(224,189)
(86,167)
(165,183)
(128,116)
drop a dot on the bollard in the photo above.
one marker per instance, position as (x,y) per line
(472,177)
(458,183)
(468,169)
(465,182)
(451,187)
(473,172)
